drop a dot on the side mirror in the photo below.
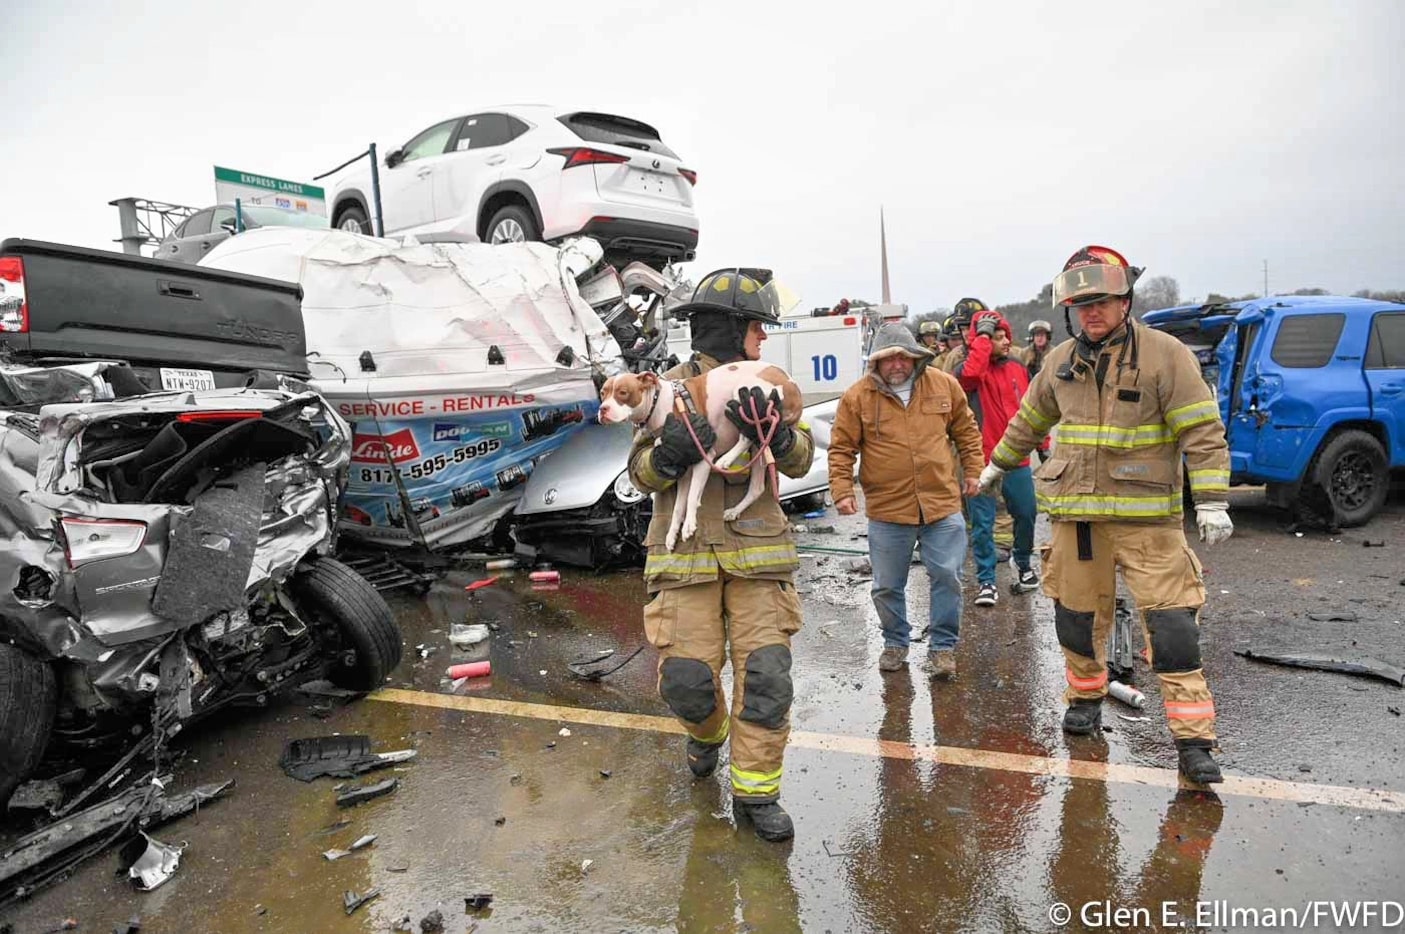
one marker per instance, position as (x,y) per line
(394,158)
(228,226)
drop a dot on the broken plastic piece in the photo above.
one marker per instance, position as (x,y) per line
(367,793)
(470,670)
(477,902)
(337,756)
(351,901)
(593,668)
(432,923)
(150,862)
(479,585)
(1366,667)
(816,514)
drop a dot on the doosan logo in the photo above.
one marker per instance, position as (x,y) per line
(367,448)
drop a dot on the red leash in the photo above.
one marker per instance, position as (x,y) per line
(771,421)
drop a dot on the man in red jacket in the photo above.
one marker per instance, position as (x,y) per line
(999,382)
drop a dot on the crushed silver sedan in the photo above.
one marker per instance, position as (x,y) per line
(166,555)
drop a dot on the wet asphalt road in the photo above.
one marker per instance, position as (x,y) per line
(961,819)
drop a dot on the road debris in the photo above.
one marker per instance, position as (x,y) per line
(351,901)
(1126,694)
(479,585)
(594,667)
(1394,710)
(480,900)
(1333,616)
(1123,716)
(432,923)
(545,577)
(361,844)
(463,635)
(1370,544)
(565,731)
(150,863)
(364,793)
(336,756)
(1366,667)
(479,669)
(831,853)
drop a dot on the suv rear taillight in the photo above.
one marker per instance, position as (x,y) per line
(690,175)
(86,540)
(575,156)
(14,310)
(217,416)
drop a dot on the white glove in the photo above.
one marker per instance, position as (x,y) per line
(1213,521)
(990,477)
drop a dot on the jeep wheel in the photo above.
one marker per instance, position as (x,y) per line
(1352,468)
(353,220)
(512,224)
(28,695)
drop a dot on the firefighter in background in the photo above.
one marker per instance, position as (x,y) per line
(1129,401)
(732,581)
(929,335)
(1041,334)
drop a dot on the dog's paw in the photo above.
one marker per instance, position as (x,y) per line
(690,527)
(671,540)
(730,515)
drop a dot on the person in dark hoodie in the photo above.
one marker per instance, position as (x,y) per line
(902,417)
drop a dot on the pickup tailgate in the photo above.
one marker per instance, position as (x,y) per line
(178,325)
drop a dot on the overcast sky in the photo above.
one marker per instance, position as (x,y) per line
(1198,138)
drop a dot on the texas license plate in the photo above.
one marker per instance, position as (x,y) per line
(186,379)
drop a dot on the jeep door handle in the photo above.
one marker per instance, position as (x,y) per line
(1392,389)
(424,173)
(498,159)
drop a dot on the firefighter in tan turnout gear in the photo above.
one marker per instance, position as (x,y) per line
(732,581)
(1128,402)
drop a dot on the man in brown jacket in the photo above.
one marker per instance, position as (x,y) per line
(902,417)
(1129,402)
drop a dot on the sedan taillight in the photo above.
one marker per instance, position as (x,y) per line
(14,310)
(575,156)
(86,540)
(690,175)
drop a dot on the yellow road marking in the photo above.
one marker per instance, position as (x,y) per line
(1369,799)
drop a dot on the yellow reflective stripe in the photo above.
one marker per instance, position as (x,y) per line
(1129,506)
(1141,436)
(1209,480)
(719,736)
(700,563)
(1004,456)
(1037,420)
(650,477)
(741,560)
(759,557)
(1188,416)
(756,783)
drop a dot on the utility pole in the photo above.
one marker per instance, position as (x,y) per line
(1265,278)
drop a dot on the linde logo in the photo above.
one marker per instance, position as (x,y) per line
(367,448)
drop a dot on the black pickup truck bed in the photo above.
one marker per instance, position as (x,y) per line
(157,315)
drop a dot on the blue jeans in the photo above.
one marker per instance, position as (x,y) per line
(943,549)
(1019,500)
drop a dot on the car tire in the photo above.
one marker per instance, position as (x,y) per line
(338,597)
(353,215)
(28,696)
(1352,468)
(512,224)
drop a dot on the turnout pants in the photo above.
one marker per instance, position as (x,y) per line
(696,628)
(1165,579)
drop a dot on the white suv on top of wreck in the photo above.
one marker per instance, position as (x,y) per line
(533,173)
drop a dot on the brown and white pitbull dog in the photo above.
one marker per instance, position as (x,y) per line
(646,401)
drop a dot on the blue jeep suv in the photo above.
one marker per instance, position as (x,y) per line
(1312,393)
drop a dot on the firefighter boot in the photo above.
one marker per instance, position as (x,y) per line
(702,757)
(1196,763)
(770,821)
(1083,717)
